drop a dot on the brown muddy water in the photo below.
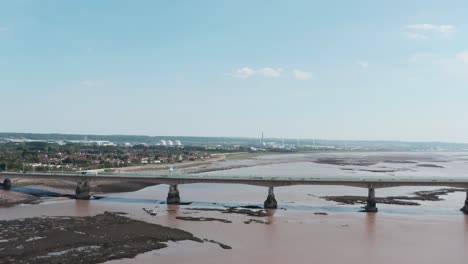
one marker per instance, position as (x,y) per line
(289,236)
(434,232)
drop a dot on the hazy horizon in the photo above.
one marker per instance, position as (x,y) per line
(360,70)
(233,137)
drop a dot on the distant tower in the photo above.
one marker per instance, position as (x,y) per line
(262,140)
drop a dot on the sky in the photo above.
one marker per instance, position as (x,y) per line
(351,70)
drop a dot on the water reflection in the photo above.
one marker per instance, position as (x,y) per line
(465,219)
(271,216)
(370,227)
(271,233)
(172,212)
(82,207)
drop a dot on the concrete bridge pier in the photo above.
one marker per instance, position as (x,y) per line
(7,183)
(371,204)
(270,202)
(173,195)
(465,207)
(82,191)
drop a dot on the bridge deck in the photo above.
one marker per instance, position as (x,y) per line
(269,181)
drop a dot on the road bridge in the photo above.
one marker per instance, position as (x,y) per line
(173,180)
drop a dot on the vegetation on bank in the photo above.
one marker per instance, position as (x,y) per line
(43,156)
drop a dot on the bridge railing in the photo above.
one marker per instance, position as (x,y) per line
(230,176)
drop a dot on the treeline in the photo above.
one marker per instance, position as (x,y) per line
(52,156)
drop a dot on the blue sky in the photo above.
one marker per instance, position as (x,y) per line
(391,70)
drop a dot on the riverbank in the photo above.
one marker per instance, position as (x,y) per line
(34,191)
(9,199)
(181,165)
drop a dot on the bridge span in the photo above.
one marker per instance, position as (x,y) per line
(370,182)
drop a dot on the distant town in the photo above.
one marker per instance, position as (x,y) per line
(52,152)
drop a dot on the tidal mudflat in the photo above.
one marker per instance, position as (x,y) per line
(90,239)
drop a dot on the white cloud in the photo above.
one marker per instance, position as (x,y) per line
(267,72)
(463,56)
(431,27)
(90,83)
(302,75)
(417,36)
(363,64)
(245,72)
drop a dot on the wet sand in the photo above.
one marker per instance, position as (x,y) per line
(8,198)
(430,195)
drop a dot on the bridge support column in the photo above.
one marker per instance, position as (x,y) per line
(82,191)
(7,183)
(173,195)
(371,204)
(270,202)
(465,207)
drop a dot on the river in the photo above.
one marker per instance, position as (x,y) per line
(306,228)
